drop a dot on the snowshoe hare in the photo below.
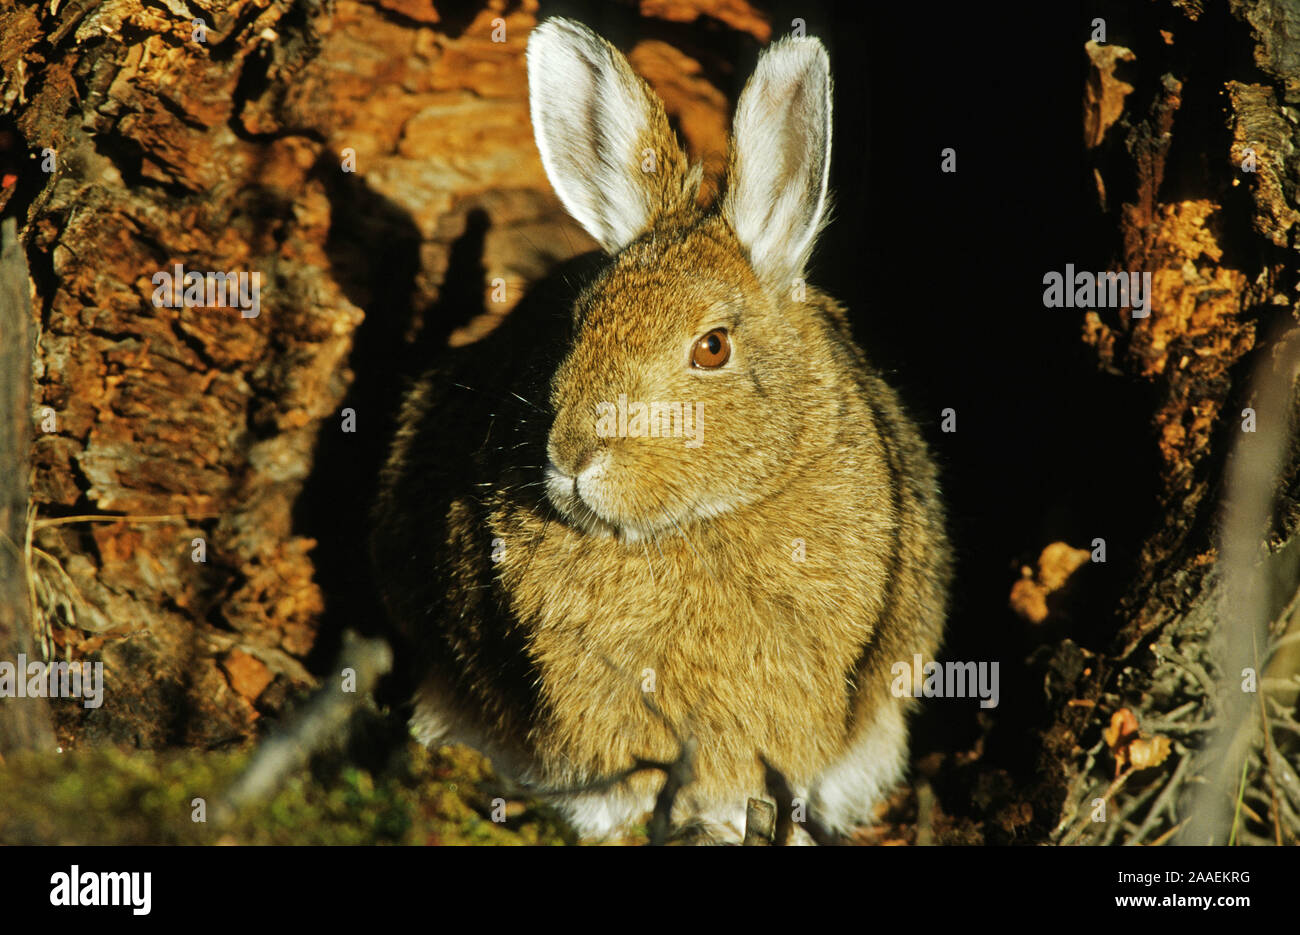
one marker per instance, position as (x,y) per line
(694,515)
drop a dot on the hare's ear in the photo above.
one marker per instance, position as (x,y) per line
(604,139)
(780,159)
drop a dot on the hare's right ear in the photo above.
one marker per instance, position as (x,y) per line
(603,136)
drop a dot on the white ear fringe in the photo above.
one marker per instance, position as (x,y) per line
(777,196)
(590,114)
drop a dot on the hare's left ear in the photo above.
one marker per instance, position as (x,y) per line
(603,136)
(780,159)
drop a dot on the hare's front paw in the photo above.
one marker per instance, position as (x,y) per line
(615,813)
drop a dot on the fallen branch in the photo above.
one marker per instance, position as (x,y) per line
(319,724)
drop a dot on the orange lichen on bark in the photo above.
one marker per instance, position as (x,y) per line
(1056,564)
(1103,93)
(1195,328)
(248,675)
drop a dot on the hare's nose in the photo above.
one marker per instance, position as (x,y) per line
(584,461)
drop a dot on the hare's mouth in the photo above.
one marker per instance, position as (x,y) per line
(563,491)
(578,499)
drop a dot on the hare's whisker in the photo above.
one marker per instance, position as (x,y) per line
(499,396)
(526,402)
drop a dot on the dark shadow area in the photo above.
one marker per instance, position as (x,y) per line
(481,424)
(373,246)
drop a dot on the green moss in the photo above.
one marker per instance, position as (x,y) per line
(108,796)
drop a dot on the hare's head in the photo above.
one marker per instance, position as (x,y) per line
(697,375)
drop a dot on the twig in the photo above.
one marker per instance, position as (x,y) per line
(1164,838)
(924,814)
(312,728)
(1241,798)
(1105,797)
(1120,822)
(1196,670)
(778,787)
(1164,800)
(1172,727)
(677,775)
(760,823)
(124,518)
(1179,711)
(1081,780)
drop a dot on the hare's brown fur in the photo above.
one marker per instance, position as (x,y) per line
(761,584)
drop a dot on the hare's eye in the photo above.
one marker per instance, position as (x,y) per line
(712,351)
